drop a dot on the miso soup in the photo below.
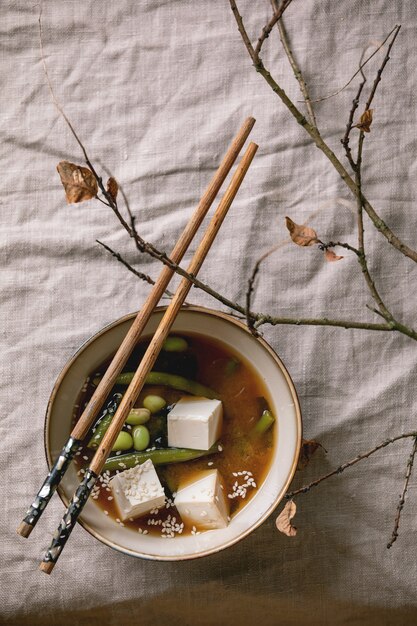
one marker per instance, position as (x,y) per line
(242,454)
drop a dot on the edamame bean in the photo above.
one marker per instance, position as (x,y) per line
(175,344)
(138,416)
(141,438)
(154,403)
(124,441)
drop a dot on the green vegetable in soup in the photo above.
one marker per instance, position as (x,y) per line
(163,456)
(175,344)
(141,437)
(138,416)
(167,380)
(104,421)
(154,404)
(265,422)
(123,442)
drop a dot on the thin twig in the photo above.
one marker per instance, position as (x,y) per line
(242,30)
(54,98)
(145,277)
(358,71)
(347,464)
(266,31)
(384,311)
(251,284)
(295,67)
(403,494)
(340,244)
(346,138)
(381,69)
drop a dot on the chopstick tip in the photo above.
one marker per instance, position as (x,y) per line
(24,529)
(46,567)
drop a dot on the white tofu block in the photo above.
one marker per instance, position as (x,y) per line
(202,502)
(137,490)
(195,423)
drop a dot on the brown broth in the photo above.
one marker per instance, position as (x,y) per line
(243,395)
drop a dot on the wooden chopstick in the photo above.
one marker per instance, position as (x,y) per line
(119,360)
(91,475)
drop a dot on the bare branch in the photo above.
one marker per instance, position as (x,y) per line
(266,31)
(145,277)
(251,283)
(381,69)
(242,30)
(355,103)
(295,67)
(378,222)
(401,503)
(347,464)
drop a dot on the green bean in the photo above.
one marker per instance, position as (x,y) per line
(175,344)
(104,421)
(138,416)
(161,456)
(167,380)
(141,437)
(124,441)
(265,422)
(154,404)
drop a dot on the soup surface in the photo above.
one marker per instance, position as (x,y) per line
(242,456)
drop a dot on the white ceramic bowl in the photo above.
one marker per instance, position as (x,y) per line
(285,406)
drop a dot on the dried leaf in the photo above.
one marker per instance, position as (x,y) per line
(332,256)
(112,188)
(365,121)
(301,235)
(79,182)
(308,448)
(283,521)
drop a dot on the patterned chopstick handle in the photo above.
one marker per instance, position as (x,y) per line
(51,482)
(68,521)
(60,467)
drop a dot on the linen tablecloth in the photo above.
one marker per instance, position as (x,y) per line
(156,90)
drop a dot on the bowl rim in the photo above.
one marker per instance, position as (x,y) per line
(186,557)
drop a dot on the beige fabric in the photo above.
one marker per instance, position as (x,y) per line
(156,90)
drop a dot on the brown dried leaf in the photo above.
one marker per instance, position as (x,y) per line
(300,234)
(79,182)
(332,256)
(365,121)
(308,448)
(283,521)
(112,188)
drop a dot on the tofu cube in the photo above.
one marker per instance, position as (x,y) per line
(202,502)
(195,423)
(137,490)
